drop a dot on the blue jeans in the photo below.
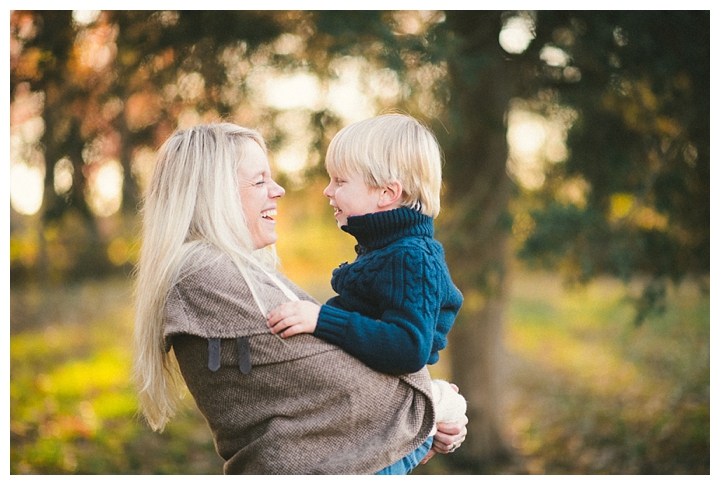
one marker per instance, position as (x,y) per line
(405,465)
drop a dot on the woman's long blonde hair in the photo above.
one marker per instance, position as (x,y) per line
(192,200)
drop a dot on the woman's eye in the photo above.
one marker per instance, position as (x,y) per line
(261,182)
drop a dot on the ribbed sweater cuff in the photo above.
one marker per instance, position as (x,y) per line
(332,324)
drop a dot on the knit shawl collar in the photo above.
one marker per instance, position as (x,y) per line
(380,229)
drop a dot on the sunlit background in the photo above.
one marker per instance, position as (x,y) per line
(354,94)
(600,363)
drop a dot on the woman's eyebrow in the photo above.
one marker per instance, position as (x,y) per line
(259,173)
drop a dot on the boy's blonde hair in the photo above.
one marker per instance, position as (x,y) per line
(391,147)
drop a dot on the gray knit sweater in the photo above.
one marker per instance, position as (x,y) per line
(296,406)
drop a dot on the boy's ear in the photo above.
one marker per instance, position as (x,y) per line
(392,192)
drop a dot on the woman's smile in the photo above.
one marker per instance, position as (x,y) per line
(259,194)
(269,213)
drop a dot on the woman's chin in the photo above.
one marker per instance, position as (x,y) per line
(265,241)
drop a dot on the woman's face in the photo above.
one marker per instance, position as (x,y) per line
(259,194)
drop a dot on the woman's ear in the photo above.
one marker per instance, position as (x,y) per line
(391,195)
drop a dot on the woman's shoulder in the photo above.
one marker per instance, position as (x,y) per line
(204,257)
(210,297)
(216,295)
(215,266)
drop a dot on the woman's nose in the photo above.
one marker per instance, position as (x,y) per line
(277,190)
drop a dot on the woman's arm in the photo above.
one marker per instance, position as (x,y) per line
(305,379)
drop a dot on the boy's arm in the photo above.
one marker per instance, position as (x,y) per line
(411,324)
(398,343)
(407,290)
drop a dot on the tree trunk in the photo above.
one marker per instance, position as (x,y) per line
(477,338)
(476,350)
(475,223)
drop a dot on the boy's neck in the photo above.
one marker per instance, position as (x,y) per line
(379,229)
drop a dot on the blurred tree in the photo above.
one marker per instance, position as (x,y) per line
(632,195)
(115,84)
(41,64)
(640,148)
(481,80)
(637,84)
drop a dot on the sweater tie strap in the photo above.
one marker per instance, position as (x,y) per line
(243,347)
(213,354)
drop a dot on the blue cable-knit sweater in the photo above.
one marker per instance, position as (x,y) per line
(396,302)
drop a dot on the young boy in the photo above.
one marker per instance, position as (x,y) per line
(396,302)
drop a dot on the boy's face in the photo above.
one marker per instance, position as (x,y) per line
(350,196)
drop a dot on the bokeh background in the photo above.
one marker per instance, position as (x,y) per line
(576,216)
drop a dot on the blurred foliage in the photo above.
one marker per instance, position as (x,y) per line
(585,393)
(633,87)
(638,149)
(113,89)
(590,394)
(72,405)
(626,93)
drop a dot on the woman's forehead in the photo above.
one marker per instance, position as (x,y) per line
(254,161)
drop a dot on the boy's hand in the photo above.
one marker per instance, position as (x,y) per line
(293,317)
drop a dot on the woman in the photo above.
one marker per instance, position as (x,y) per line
(205,283)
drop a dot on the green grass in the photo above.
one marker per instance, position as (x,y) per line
(587,392)
(590,393)
(72,406)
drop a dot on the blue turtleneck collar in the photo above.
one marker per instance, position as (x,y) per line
(379,229)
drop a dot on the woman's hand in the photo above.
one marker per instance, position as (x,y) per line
(449,436)
(293,317)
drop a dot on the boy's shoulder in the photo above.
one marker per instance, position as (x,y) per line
(415,244)
(417,241)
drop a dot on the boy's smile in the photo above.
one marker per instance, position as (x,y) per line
(350,196)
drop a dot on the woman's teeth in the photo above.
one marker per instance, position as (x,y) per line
(268,214)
